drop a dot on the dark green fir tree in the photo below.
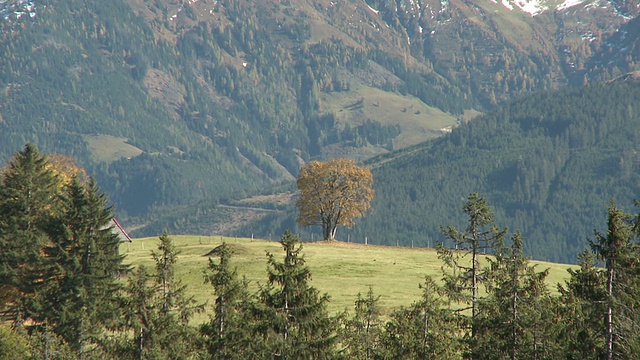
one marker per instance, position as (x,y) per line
(622,289)
(428,329)
(295,319)
(229,332)
(361,333)
(157,312)
(582,312)
(29,198)
(515,319)
(83,261)
(463,272)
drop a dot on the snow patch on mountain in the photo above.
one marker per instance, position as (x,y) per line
(13,10)
(569,4)
(532,7)
(370,8)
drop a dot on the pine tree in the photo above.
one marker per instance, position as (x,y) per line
(295,318)
(426,330)
(581,311)
(462,281)
(82,260)
(515,320)
(157,311)
(165,261)
(14,345)
(361,333)
(28,201)
(620,256)
(141,315)
(228,333)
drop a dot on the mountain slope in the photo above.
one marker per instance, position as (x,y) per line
(171,104)
(548,164)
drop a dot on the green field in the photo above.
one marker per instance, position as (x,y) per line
(106,148)
(340,269)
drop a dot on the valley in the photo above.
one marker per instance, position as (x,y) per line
(179,107)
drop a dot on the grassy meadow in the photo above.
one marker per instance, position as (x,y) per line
(339,269)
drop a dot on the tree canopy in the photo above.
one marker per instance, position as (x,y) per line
(333,193)
(58,255)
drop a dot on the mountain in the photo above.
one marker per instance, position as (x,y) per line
(548,164)
(177,106)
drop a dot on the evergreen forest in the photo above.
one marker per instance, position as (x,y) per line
(547,162)
(67,293)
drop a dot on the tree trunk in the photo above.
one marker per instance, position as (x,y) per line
(609,315)
(514,312)
(474,291)
(222,314)
(326,230)
(141,344)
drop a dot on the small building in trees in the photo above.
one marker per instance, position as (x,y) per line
(120,231)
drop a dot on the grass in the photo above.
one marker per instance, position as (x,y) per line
(339,269)
(110,148)
(418,121)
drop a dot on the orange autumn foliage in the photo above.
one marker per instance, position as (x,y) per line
(333,193)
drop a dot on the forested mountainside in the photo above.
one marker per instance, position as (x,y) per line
(176,105)
(548,164)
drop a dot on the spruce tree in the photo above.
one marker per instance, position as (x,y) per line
(361,333)
(295,321)
(463,273)
(29,197)
(82,260)
(620,256)
(165,260)
(157,311)
(515,320)
(14,345)
(228,333)
(141,314)
(425,330)
(581,311)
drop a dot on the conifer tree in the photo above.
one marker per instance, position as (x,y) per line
(28,200)
(14,345)
(228,333)
(141,316)
(465,275)
(295,318)
(515,320)
(581,311)
(82,259)
(165,261)
(361,333)
(157,311)
(426,330)
(620,256)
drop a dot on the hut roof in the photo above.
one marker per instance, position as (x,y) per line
(120,231)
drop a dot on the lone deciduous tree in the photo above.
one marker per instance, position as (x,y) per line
(333,193)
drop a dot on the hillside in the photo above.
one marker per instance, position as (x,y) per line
(178,106)
(548,164)
(340,269)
